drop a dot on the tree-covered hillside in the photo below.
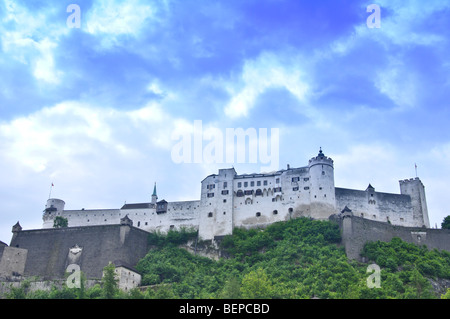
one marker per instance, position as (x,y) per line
(300,258)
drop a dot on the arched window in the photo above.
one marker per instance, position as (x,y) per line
(258,192)
(210,214)
(258,214)
(291,210)
(275,212)
(240,193)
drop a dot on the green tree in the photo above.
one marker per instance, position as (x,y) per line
(256,285)
(109,282)
(446,223)
(60,222)
(446,295)
(231,289)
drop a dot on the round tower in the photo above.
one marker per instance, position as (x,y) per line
(322,191)
(53,208)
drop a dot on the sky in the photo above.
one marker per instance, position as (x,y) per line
(106,109)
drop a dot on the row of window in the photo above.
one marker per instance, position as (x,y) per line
(258,214)
(258,192)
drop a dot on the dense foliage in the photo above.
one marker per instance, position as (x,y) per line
(300,258)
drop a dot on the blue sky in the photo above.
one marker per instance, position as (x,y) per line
(93,109)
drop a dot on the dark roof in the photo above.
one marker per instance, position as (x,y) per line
(137,206)
(121,263)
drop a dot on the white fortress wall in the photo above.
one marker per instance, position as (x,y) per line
(385,207)
(230,200)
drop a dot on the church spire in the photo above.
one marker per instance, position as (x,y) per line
(154,190)
(154,196)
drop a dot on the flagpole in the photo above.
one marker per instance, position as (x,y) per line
(50,194)
(415,165)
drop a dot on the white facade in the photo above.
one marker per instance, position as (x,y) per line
(230,200)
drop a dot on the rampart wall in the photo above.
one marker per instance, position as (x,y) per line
(50,251)
(356,231)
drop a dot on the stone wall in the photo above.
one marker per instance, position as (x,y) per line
(356,231)
(50,251)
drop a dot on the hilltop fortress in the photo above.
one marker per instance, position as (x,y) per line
(94,238)
(231,200)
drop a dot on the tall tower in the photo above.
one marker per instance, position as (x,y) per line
(322,191)
(154,196)
(415,189)
(53,208)
(216,214)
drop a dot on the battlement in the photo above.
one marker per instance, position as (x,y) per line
(321,159)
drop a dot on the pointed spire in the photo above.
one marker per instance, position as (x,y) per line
(154,190)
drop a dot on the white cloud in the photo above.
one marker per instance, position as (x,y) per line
(399,83)
(111,19)
(267,71)
(31,38)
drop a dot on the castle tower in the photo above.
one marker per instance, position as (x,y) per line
(154,196)
(415,189)
(322,191)
(53,208)
(216,215)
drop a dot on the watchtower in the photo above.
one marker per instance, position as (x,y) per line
(414,188)
(322,191)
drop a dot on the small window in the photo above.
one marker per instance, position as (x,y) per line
(306,188)
(225,192)
(275,212)
(245,184)
(224,213)
(306,179)
(323,172)
(210,214)
(265,183)
(223,201)
(252,183)
(295,179)
(225,184)
(239,193)
(239,184)
(290,210)
(295,188)
(139,224)
(210,194)
(258,183)
(277,180)
(258,214)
